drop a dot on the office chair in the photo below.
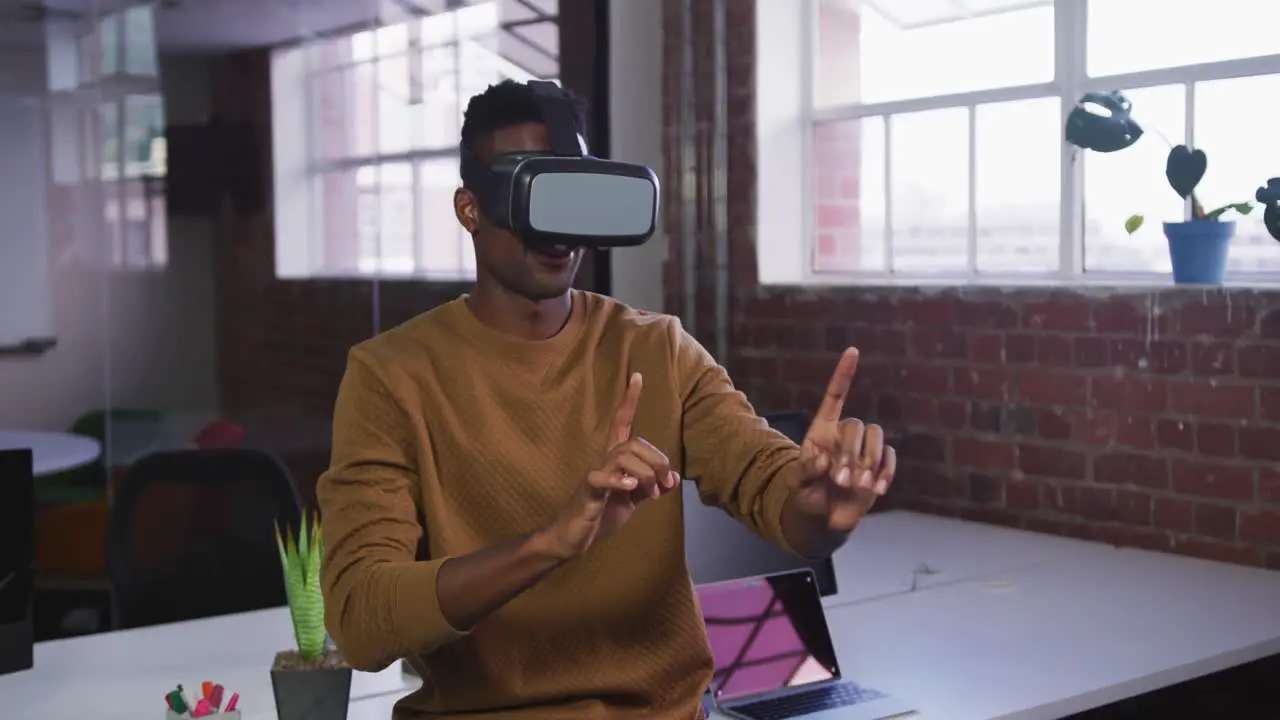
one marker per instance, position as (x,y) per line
(792,424)
(191,535)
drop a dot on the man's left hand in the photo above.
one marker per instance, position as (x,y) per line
(845,464)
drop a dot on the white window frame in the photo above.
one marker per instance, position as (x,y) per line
(298,207)
(786,32)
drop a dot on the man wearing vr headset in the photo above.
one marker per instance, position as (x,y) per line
(497,506)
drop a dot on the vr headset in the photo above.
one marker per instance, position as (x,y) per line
(564,196)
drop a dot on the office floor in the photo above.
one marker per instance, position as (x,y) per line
(1246,691)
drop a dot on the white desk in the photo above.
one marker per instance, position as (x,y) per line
(126,674)
(52,451)
(1015,625)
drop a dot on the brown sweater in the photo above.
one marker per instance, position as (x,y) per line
(450,437)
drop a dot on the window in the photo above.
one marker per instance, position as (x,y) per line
(366,132)
(933,132)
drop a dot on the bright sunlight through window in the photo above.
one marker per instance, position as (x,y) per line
(936,143)
(366,131)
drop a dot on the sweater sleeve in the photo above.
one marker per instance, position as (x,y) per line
(734,456)
(380,601)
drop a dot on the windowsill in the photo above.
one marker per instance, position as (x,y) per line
(1101,283)
(371,277)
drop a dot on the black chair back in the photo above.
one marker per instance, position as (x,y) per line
(792,424)
(191,535)
(17,552)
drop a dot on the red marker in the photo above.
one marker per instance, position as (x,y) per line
(231,704)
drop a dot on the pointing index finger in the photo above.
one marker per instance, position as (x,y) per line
(838,387)
(621,431)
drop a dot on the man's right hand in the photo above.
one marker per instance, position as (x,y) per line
(631,472)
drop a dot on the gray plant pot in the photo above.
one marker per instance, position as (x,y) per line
(318,694)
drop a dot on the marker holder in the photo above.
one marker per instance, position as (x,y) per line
(233,715)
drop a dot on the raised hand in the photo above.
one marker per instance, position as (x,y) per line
(631,471)
(846,464)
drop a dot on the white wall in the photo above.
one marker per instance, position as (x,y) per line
(635,133)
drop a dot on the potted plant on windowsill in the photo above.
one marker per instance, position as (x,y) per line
(311,682)
(1198,246)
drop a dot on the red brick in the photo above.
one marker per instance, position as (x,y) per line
(1092,352)
(927,311)
(1259,361)
(1215,521)
(987,349)
(1061,312)
(1126,315)
(1044,387)
(1136,432)
(1260,443)
(1022,494)
(1216,439)
(1269,485)
(1269,326)
(1211,398)
(1054,425)
(1162,357)
(1128,393)
(982,383)
(1175,435)
(1133,507)
(917,410)
(983,454)
(1055,350)
(953,414)
(1174,515)
(1261,527)
(1213,358)
(1269,403)
(937,344)
(986,315)
(922,447)
(1119,468)
(1096,503)
(1019,348)
(1217,551)
(1053,462)
(1202,479)
(923,379)
(1216,318)
(1092,428)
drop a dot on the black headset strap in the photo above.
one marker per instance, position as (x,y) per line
(564,123)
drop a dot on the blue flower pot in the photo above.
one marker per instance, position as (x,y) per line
(1198,250)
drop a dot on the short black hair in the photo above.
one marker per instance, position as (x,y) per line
(505,104)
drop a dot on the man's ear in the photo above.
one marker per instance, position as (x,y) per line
(467,210)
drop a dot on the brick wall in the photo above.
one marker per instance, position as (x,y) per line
(282,345)
(1149,419)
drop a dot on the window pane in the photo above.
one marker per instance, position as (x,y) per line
(1017,183)
(1236,125)
(880,50)
(1135,35)
(446,248)
(929,190)
(848,186)
(394,253)
(140,40)
(1131,181)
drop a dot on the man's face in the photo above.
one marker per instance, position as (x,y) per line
(540,274)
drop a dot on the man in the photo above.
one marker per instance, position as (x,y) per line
(503,508)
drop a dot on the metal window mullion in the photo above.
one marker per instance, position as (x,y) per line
(972,237)
(1071,48)
(419,226)
(808,194)
(888,194)
(1189,136)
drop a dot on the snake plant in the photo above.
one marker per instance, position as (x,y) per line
(300,559)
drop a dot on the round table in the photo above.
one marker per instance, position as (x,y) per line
(52,452)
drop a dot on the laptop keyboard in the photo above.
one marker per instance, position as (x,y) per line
(804,703)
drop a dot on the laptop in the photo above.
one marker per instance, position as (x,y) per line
(774,659)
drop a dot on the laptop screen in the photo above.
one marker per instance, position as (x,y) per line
(767,633)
